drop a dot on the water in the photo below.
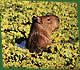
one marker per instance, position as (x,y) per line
(22,45)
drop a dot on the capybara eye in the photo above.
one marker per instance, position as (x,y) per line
(48,19)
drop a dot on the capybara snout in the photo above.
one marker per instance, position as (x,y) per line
(41,29)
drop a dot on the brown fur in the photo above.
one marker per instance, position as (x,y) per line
(41,29)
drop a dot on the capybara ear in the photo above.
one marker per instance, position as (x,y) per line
(34,19)
(39,20)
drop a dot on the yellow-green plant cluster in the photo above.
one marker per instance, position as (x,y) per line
(16,20)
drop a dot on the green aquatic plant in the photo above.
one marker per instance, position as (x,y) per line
(16,22)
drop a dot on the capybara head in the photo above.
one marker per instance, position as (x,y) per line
(49,23)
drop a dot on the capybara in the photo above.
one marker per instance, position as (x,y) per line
(41,29)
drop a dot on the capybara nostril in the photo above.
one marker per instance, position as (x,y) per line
(58,19)
(39,36)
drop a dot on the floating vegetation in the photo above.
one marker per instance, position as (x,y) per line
(16,22)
